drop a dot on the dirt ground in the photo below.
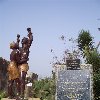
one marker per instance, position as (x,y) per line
(15,99)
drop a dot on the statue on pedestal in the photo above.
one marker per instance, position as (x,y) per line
(18,66)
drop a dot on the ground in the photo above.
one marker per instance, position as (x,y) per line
(15,99)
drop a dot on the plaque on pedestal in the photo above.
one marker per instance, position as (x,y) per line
(74,85)
(73,64)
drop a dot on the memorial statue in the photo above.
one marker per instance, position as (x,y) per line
(22,64)
(13,71)
(18,66)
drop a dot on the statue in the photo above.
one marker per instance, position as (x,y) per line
(18,66)
(22,64)
(13,71)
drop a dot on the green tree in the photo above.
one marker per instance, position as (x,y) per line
(3,72)
(85,39)
(92,56)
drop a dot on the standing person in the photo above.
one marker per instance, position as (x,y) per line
(23,65)
(13,72)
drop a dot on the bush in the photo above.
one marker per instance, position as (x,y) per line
(44,89)
(3,94)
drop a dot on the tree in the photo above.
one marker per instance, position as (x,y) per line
(89,51)
(3,72)
(92,56)
(85,39)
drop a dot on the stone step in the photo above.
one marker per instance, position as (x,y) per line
(15,99)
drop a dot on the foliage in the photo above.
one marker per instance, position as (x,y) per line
(44,89)
(3,72)
(3,65)
(90,52)
(3,94)
(96,86)
(84,39)
(93,57)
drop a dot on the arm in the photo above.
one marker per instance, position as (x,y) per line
(18,39)
(30,40)
(30,36)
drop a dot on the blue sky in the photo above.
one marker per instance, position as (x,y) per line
(48,19)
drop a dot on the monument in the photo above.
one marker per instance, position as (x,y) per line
(18,66)
(74,82)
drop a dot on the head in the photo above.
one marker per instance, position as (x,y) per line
(29,29)
(24,40)
(13,45)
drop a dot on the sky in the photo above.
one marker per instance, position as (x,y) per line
(48,20)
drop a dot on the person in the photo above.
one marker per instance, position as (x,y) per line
(13,72)
(23,65)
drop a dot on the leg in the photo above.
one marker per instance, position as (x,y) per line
(10,88)
(23,77)
(17,81)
